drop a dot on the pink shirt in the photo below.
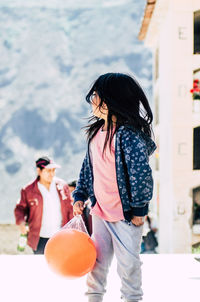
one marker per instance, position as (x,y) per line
(108,205)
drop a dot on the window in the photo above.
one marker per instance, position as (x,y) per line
(196,205)
(197,32)
(196,149)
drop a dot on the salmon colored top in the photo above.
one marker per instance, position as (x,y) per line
(108,205)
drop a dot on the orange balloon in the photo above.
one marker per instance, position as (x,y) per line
(70,253)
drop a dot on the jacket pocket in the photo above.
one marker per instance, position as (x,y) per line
(33,202)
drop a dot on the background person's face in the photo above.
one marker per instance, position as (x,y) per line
(46,175)
(71,189)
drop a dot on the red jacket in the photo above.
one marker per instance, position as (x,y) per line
(29,209)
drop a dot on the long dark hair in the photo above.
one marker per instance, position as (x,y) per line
(125,99)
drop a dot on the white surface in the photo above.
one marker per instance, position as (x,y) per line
(170,278)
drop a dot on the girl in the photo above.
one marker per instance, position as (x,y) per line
(117,178)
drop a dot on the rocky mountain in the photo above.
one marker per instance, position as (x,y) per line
(51,52)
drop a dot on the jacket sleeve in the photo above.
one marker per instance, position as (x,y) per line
(139,173)
(21,209)
(81,192)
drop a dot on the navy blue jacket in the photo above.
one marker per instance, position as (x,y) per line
(134,175)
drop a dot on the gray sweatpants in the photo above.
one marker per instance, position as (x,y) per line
(123,240)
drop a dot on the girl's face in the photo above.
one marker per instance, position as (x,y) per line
(101,112)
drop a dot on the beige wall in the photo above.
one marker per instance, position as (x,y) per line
(171,32)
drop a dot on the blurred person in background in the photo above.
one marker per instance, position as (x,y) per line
(150,233)
(45,205)
(72,186)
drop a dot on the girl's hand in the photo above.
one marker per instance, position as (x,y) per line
(78,208)
(137,221)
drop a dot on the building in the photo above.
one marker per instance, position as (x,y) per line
(171,28)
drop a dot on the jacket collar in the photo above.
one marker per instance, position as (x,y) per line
(35,185)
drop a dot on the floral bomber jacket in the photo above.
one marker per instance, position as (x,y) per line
(134,174)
